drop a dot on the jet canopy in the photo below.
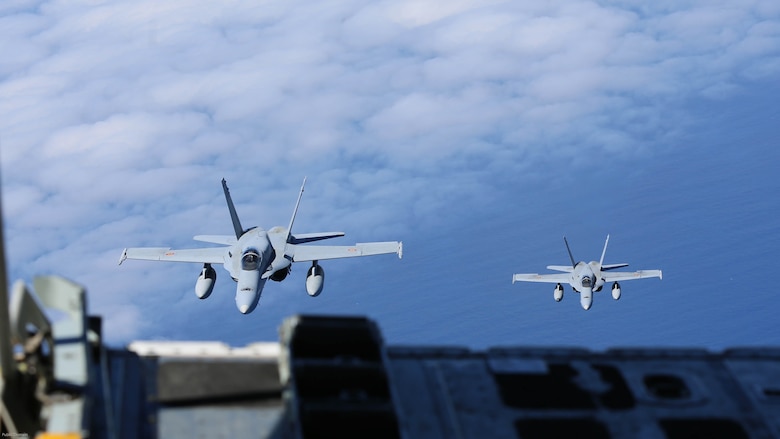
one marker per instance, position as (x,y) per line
(250,261)
(587,282)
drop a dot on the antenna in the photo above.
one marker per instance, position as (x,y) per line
(573,264)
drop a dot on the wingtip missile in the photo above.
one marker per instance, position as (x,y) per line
(123,257)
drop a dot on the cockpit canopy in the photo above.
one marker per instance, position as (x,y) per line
(587,282)
(251,260)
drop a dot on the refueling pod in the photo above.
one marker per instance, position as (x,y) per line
(616,291)
(558,292)
(205,284)
(315,280)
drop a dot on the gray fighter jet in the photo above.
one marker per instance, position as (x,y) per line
(586,278)
(255,255)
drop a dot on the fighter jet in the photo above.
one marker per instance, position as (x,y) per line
(255,255)
(586,278)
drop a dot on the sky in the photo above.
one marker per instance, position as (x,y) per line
(479,133)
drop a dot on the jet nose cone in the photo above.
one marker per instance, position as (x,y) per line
(243,309)
(586,301)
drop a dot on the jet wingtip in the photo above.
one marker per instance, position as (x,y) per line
(401,250)
(123,257)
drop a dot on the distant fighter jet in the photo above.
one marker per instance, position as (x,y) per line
(255,255)
(586,278)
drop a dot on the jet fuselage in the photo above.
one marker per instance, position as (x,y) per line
(248,260)
(586,279)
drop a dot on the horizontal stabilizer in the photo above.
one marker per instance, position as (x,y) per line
(216,239)
(302,238)
(612,266)
(564,268)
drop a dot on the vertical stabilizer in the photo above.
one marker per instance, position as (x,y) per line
(573,263)
(282,260)
(604,252)
(295,211)
(233,215)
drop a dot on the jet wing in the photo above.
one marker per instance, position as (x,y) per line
(213,255)
(553,278)
(610,276)
(564,268)
(302,253)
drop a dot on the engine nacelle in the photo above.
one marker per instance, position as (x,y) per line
(280,275)
(558,293)
(205,284)
(315,280)
(280,268)
(616,291)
